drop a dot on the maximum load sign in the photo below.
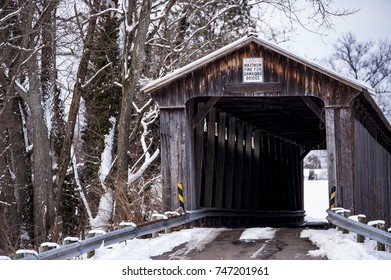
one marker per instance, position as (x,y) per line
(253,70)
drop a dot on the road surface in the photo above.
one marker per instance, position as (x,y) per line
(286,245)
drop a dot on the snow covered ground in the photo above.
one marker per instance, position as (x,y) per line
(137,254)
(332,243)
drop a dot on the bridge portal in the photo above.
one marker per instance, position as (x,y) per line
(237,124)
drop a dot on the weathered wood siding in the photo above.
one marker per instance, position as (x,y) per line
(211,79)
(372,167)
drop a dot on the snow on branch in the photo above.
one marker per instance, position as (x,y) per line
(109,10)
(95,75)
(10,15)
(5,203)
(106,157)
(146,120)
(79,187)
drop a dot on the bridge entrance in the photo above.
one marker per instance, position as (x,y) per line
(249,151)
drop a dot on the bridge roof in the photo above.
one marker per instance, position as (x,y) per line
(356,84)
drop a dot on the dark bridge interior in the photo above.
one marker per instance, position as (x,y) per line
(249,152)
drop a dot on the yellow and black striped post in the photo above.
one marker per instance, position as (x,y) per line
(332,197)
(180,196)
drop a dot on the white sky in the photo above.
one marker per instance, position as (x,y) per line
(371,22)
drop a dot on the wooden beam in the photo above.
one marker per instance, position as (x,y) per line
(313,106)
(204,111)
(253,87)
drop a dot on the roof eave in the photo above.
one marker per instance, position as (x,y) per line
(198,63)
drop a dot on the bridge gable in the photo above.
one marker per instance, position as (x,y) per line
(221,74)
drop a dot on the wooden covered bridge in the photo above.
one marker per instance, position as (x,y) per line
(237,124)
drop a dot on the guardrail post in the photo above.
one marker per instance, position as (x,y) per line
(93,233)
(170,214)
(380,224)
(156,217)
(362,219)
(345,213)
(335,209)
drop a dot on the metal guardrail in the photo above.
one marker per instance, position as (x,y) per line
(90,244)
(359,228)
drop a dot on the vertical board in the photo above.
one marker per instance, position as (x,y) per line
(256,171)
(210,159)
(198,157)
(220,160)
(247,172)
(230,167)
(239,150)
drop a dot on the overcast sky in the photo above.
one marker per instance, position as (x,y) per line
(373,21)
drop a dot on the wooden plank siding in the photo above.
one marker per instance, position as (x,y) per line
(240,146)
(372,167)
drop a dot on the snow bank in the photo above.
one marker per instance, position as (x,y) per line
(144,249)
(337,246)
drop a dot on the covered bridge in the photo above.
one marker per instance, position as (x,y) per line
(237,124)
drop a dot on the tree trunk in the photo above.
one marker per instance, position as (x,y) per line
(42,162)
(74,109)
(15,183)
(130,81)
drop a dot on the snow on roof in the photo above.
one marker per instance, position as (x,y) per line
(359,85)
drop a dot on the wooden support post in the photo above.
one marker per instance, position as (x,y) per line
(340,128)
(339,137)
(173,155)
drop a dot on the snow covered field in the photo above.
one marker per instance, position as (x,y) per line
(332,243)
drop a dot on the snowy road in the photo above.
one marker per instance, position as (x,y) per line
(254,243)
(286,245)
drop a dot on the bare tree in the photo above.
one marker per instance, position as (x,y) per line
(367,61)
(25,46)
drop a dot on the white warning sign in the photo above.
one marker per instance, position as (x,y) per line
(253,70)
